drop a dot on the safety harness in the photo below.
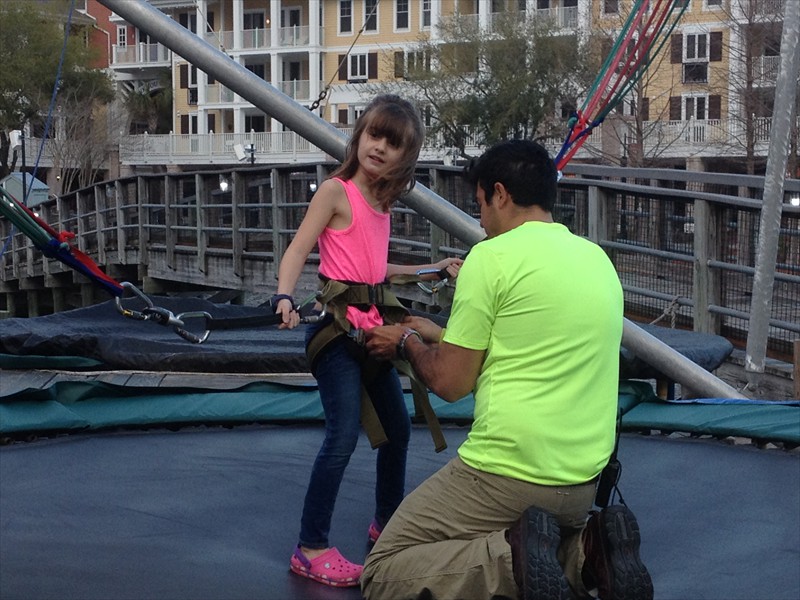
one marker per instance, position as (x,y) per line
(336,296)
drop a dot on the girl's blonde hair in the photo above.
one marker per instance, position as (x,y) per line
(395,118)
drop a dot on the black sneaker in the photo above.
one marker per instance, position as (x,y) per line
(613,564)
(534,540)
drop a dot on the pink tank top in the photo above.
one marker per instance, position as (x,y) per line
(358,253)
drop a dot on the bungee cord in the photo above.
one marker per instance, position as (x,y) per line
(633,51)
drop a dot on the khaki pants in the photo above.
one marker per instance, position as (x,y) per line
(447,539)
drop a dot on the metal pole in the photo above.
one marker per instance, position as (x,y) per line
(423,201)
(769,226)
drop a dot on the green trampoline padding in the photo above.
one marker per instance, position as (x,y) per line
(77,405)
(69,405)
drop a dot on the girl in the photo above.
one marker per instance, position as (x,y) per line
(349,218)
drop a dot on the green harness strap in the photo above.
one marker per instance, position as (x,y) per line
(336,296)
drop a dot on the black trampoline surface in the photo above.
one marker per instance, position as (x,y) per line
(213,513)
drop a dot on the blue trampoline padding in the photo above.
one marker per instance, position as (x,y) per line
(36,361)
(778,422)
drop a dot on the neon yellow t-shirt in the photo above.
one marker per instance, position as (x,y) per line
(547,307)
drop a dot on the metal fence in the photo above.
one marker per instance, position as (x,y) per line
(684,243)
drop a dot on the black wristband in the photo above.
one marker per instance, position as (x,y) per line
(273,302)
(401,344)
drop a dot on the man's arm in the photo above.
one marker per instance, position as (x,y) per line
(449,371)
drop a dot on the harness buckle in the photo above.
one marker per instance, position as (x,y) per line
(357,335)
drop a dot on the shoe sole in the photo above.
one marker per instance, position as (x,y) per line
(544,576)
(630,579)
(303,572)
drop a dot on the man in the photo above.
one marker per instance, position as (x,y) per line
(534,333)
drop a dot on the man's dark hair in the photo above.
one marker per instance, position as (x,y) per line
(523,167)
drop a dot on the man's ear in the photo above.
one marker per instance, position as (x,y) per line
(501,195)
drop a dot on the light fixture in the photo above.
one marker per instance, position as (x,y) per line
(794,200)
(312,187)
(223,183)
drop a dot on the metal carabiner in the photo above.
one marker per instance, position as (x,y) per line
(432,288)
(317,317)
(162,316)
(188,335)
(133,314)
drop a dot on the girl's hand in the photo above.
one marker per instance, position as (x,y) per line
(291,318)
(453,266)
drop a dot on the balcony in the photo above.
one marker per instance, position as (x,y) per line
(296,89)
(293,36)
(138,55)
(765,69)
(663,139)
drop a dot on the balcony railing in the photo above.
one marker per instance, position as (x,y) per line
(137,54)
(293,36)
(297,89)
(690,246)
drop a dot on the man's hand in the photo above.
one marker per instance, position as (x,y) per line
(429,330)
(382,341)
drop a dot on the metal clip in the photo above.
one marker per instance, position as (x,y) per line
(434,287)
(133,314)
(188,335)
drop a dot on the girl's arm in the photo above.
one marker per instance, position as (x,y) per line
(325,204)
(451,264)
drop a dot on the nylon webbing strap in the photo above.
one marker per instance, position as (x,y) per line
(422,404)
(337,295)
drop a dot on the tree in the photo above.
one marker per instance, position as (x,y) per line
(504,84)
(80,144)
(30,50)
(149,105)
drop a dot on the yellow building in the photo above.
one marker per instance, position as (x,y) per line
(705,101)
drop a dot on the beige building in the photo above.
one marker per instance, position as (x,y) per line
(705,103)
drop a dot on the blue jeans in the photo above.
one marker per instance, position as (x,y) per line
(338,374)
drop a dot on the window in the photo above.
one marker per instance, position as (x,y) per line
(345,16)
(122,36)
(401,14)
(710,3)
(189,21)
(253,20)
(610,7)
(255,123)
(407,63)
(695,108)
(371,15)
(425,14)
(357,67)
(695,51)
(695,73)
(696,47)
(258,70)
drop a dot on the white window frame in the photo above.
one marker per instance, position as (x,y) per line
(376,16)
(397,13)
(713,4)
(425,11)
(358,66)
(342,4)
(695,46)
(122,36)
(694,98)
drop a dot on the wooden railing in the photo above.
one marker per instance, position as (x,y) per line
(684,244)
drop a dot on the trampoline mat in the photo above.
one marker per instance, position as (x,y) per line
(214,513)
